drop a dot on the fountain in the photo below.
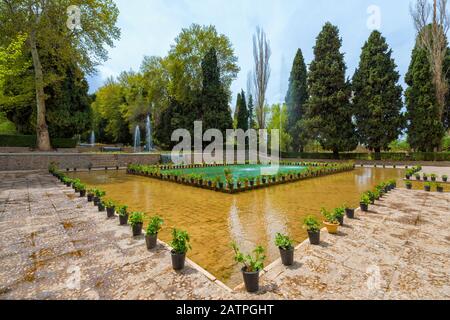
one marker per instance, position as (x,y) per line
(137,139)
(148,139)
(92,138)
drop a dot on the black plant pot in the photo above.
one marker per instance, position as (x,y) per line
(427,188)
(96,200)
(287,256)
(425,178)
(82,193)
(100,206)
(440,189)
(110,212)
(123,220)
(314,237)
(433,179)
(251,280)
(350,213)
(151,240)
(408,177)
(364,207)
(409,186)
(178,260)
(341,220)
(444,179)
(137,229)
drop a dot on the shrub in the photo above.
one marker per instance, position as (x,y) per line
(283,242)
(329,217)
(154,225)
(180,241)
(252,263)
(311,224)
(136,218)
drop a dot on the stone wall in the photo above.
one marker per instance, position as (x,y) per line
(39,161)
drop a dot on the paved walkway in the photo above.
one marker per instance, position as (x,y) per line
(56,246)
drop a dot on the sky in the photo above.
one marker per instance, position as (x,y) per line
(149,27)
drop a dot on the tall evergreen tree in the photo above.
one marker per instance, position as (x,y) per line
(251,112)
(242,115)
(377,97)
(425,128)
(296,98)
(328,107)
(236,111)
(214,99)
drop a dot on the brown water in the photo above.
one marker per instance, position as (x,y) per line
(214,220)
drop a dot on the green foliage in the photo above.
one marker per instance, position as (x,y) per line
(283,242)
(399,146)
(311,224)
(330,217)
(252,263)
(328,117)
(109,203)
(296,99)
(365,199)
(99,193)
(214,100)
(425,128)
(30,141)
(154,225)
(377,99)
(278,120)
(242,117)
(180,241)
(339,212)
(136,218)
(122,210)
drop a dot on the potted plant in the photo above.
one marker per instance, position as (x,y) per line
(285,244)
(364,203)
(151,234)
(408,185)
(123,215)
(427,187)
(439,188)
(444,178)
(253,264)
(425,177)
(339,213)
(110,208)
(137,222)
(330,221)
(417,177)
(349,212)
(371,196)
(98,194)
(101,205)
(90,195)
(180,246)
(433,177)
(312,225)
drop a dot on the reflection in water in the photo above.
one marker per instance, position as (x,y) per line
(253,218)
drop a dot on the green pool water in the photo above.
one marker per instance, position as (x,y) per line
(239,172)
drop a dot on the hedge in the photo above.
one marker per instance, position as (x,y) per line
(30,141)
(385,156)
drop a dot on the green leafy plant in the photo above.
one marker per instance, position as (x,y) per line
(154,225)
(180,241)
(252,263)
(109,203)
(311,224)
(408,183)
(365,199)
(136,218)
(122,210)
(283,242)
(339,212)
(98,193)
(329,216)
(444,177)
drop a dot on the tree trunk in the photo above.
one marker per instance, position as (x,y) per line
(43,138)
(377,153)
(336,154)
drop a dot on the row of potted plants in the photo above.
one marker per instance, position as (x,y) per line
(380,190)
(427,186)
(171,166)
(433,177)
(180,238)
(410,172)
(232,185)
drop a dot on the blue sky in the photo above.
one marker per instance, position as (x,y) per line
(150,26)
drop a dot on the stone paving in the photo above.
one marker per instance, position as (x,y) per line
(55,245)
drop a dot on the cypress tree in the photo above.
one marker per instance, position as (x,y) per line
(296,98)
(251,112)
(425,128)
(242,115)
(328,107)
(215,111)
(377,97)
